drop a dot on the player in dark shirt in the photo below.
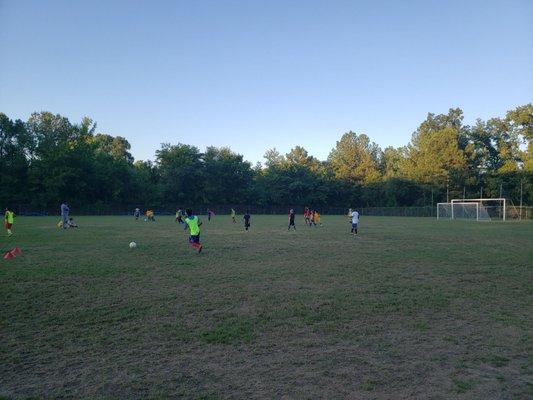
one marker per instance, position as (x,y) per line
(246,218)
(291,219)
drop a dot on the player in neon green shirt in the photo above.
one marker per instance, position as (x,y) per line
(193,223)
(9,219)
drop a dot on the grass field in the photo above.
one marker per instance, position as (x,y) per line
(412,308)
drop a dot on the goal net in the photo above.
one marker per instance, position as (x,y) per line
(473,209)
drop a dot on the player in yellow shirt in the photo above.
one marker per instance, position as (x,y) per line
(317,218)
(9,219)
(150,215)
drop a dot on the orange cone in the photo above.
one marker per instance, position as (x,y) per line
(8,256)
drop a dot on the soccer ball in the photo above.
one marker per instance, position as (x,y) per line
(133,245)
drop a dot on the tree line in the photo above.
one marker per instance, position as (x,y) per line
(48,159)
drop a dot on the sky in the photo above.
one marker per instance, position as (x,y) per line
(254,75)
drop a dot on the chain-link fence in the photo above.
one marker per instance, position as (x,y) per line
(513,213)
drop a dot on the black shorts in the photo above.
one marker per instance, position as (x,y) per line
(194,239)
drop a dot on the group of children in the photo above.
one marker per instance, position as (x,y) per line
(64,223)
(311,217)
(149,214)
(69,224)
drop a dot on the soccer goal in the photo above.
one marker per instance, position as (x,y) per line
(473,209)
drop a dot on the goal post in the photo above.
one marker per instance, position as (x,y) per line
(444,211)
(459,210)
(482,209)
(493,207)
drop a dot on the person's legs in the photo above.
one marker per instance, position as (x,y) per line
(195,242)
(8,228)
(65,221)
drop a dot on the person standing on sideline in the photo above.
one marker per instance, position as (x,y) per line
(355,221)
(9,219)
(233,216)
(137,213)
(64,214)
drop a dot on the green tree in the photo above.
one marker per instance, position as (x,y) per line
(392,160)
(118,147)
(434,155)
(355,158)
(273,158)
(520,121)
(181,174)
(60,160)
(227,177)
(14,145)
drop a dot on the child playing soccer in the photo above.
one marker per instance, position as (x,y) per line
(137,213)
(193,223)
(317,218)
(312,218)
(307,216)
(291,219)
(233,216)
(64,208)
(179,217)
(71,223)
(150,215)
(246,218)
(9,219)
(355,221)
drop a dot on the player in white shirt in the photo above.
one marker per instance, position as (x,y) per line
(355,221)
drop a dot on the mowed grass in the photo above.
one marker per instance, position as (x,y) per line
(412,308)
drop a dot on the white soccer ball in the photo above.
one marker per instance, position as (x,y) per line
(133,245)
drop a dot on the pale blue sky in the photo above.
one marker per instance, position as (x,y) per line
(257,74)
